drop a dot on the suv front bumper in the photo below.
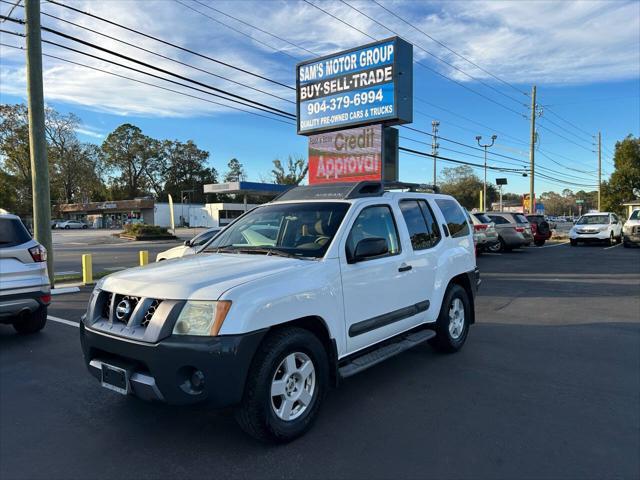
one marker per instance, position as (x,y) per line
(163,371)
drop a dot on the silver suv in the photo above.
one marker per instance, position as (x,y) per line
(25,291)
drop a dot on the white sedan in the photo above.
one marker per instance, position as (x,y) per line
(189,247)
(69,224)
(596,227)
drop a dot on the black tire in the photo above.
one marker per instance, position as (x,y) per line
(84,227)
(498,247)
(574,243)
(31,322)
(539,243)
(619,239)
(625,245)
(444,341)
(612,240)
(256,414)
(67,227)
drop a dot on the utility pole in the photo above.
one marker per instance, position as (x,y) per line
(484,186)
(599,167)
(434,146)
(37,139)
(532,151)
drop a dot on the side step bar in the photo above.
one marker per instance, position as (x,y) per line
(388,350)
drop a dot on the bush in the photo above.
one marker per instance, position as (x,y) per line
(138,229)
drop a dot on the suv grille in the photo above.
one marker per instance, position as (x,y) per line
(149,313)
(123,307)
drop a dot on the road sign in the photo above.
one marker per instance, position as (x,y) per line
(362,86)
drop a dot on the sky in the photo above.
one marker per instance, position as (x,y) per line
(474,65)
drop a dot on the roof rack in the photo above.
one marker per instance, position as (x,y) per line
(346,191)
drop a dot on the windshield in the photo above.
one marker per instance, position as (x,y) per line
(635,215)
(294,229)
(594,220)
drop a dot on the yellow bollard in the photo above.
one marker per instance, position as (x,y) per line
(144,257)
(87,269)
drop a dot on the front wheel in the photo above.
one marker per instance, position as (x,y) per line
(452,325)
(67,227)
(539,243)
(31,322)
(285,386)
(574,243)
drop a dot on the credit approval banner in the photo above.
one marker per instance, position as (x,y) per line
(351,155)
(366,85)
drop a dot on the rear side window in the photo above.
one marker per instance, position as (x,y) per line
(482,217)
(520,218)
(456,221)
(12,232)
(498,220)
(420,223)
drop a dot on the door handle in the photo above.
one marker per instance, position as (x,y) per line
(404,268)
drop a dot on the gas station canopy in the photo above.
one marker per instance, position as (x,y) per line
(247,188)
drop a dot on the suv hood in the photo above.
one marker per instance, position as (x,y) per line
(197,277)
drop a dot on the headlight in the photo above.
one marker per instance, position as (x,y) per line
(602,229)
(201,318)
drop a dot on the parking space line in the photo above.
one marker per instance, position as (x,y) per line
(612,246)
(62,320)
(555,245)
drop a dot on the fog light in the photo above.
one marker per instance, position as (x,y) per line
(192,380)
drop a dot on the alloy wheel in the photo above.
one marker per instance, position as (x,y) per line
(456,318)
(293,386)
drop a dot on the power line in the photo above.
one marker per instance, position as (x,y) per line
(236,30)
(434,55)
(149,74)
(452,160)
(167,72)
(253,26)
(547,109)
(417,62)
(165,57)
(562,136)
(450,49)
(13,7)
(184,49)
(564,129)
(155,86)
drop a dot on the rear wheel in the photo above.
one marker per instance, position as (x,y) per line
(539,243)
(452,325)
(31,322)
(285,386)
(497,247)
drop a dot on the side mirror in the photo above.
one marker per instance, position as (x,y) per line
(187,243)
(369,248)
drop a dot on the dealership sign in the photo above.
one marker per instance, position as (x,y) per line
(362,86)
(353,155)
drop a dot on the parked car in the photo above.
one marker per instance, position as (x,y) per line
(513,230)
(631,230)
(540,229)
(55,222)
(266,320)
(25,291)
(596,227)
(485,234)
(189,247)
(69,224)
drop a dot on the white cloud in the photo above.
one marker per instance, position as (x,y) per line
(529,42)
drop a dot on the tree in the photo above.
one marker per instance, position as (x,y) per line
(134,158)
(625,178)
(186,169)
(16,164)
(296,171)
(465,186)
(236,171)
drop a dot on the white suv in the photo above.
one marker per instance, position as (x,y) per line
(25,291)
(293,296)
(596,227)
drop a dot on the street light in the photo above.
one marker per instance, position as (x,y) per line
(484,192)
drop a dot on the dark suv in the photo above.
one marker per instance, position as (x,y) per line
(540,229)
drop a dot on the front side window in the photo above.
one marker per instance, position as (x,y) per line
(635,215)
(293,229)
(456,221)
(374,222)
(423,229)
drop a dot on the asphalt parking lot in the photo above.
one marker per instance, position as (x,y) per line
(547,386)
